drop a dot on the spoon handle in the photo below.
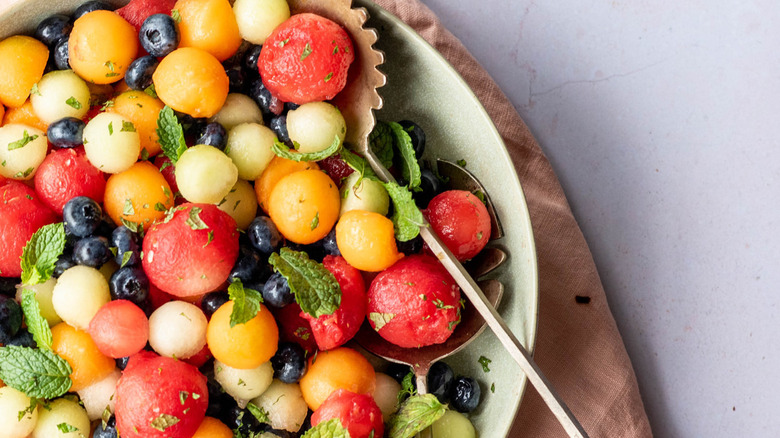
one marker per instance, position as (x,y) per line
(467,284)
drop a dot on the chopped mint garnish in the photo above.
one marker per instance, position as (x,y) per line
(485,362)
(306,52)
(194,221)
(163,422)
(176,15)
(316,289)
(380,319)
(259,413)
(18,144)
(73,103)
(67,428)
(127,127)
(128,209)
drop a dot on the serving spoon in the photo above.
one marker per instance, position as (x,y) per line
(357,103)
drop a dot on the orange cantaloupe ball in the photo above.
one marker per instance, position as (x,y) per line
(243,346)
(304,206)
(101,47)
(367,240)
(22,62)
(24,115)
(213,428)
(139,194)
(340,368)
(192,81)
(143,110)
(77,348)
(277,169)
(209,25)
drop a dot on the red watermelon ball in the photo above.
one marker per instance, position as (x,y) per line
(306,59)
(358,413)
(66,174)
(21,214)
(160,397)
(137,11)
(191,251)
(119,329)
(414,303)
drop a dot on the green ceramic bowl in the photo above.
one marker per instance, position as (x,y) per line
(422,86)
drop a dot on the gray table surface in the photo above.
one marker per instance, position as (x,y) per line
(661,120)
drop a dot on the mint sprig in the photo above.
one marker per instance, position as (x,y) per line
(415,414)
(327,429)
(280,149)
(246,302)
(41,253)
(36,324)
(316,289)
(410,168)
(171,134)
(381,142)
(37,373)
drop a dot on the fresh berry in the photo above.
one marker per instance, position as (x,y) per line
(128,246)
(249,266)
(53,29)
(264,235)
(107,431)
(81,216)
(23,338)
(269,104)
(440,381)
(63,263)
(10,318)
(417,135)
(61,55)
(410,247)
(66,133)
(276,291)
(336,168)
(90,6)
(329,244)
(92,251)
(289,362)
(159,35)
(213,134)
(139,74)
(213,301)
(430,186)
(251,57)
(131,284)
(465,395)
(279,126)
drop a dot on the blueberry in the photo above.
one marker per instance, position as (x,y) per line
(108,432)
(130,283)
(289,362)
(53,29)
(430,185)
(213,134)
(250,61)
(90,6)
(121,362)
(243,421)
(66,133)
(417,135)
(236,78)
(82,216)
(465,395)
(92,251)
(276,291)
(10,318)
(264,99)
(23,338)
(139,74)
(249,266)
(398,371)
(264,235)
(410,247)
(329,244)
(159,35)
(279,126)
(61,55)
(213,301)
(440,381)
(125,241)
(289,106)
(64,262)
(8,285)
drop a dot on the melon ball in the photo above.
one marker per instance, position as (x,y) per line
(100,395)
(22,150)
(240,204)
(315,126)
(12,402)
(111,142)
(238,108)
(60,94)
(205,174)
(177,329)
(258,18)
(386,394)
(249,146)
(78,295)
(244,385)
(43,294)
(284,404)
(64,418)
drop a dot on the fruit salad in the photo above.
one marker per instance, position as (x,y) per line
(189,246)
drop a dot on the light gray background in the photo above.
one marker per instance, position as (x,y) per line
(662,121)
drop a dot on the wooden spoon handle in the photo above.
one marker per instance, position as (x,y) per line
(504,334)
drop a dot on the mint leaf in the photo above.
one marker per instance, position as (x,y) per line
(73,103)
(41,253)
(37,373)
(381,142)
(306,52)
(407,218)
(171,134)
(327,429)
(485,362)
(163,422)
(259,413)
(246,302)
(407,387)
(127,127)
(358,164)
(36,324)
(410,168)
(380,319)
(283,151)
(316,289)
(18,144)
(67,428)
(416,413)
(194,221)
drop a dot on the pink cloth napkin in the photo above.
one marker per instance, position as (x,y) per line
(578,345)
